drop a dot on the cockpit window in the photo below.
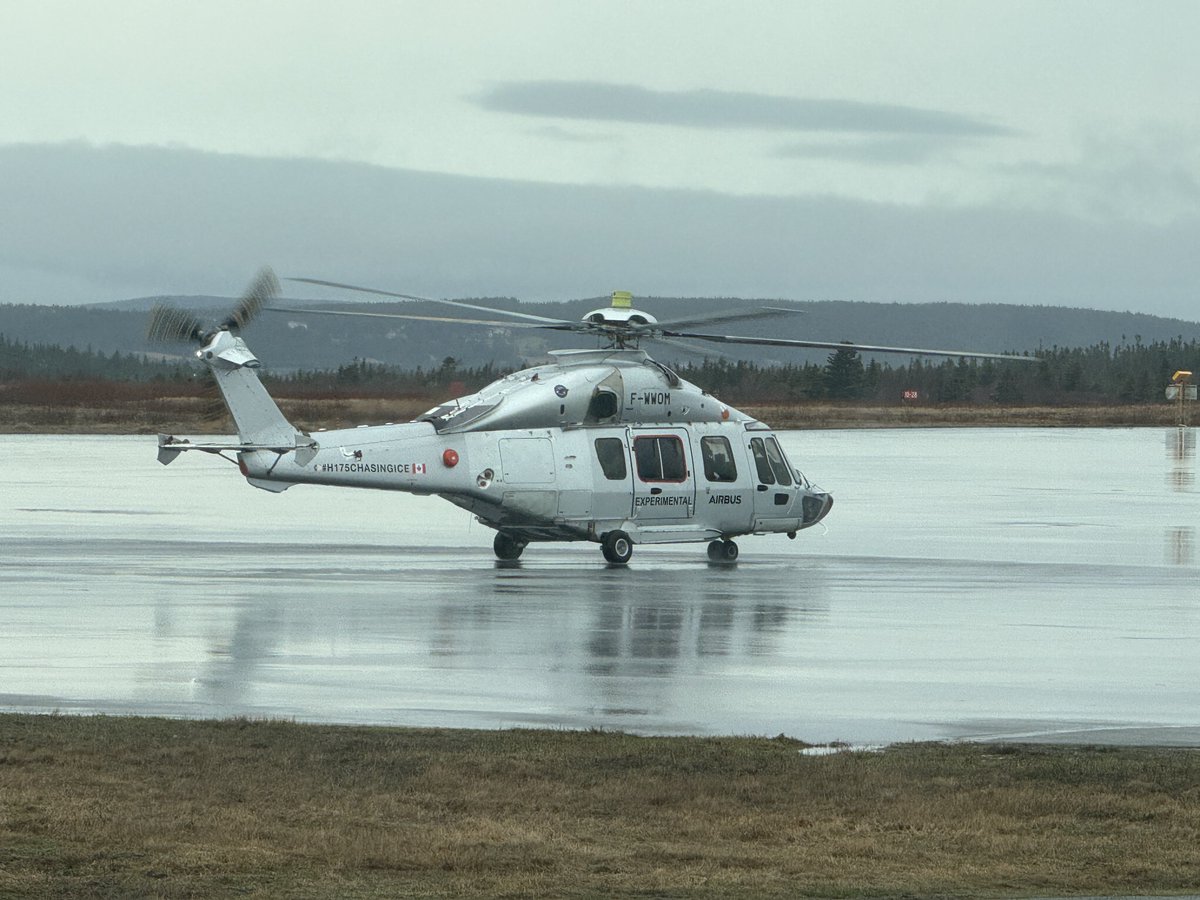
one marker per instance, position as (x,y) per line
(660,458)
(761,464)
(718,459)
(611,454)
(778,464)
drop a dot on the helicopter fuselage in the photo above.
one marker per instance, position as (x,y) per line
(594,443)
(657,483)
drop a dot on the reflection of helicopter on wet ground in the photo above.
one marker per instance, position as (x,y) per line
(604,445)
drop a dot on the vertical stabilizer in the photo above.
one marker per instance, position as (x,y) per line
(259,420)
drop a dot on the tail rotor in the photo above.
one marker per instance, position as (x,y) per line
(169,325)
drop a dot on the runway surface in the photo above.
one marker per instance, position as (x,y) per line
(975,583)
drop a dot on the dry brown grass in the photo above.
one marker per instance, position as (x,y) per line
(193,415)
(824,415)
(201,415)
(109,807)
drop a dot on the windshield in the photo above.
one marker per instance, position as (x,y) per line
(779,466)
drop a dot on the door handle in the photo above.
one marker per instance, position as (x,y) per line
(762,487)
(655,490)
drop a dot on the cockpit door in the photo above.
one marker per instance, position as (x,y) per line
(664,483)
(775,484)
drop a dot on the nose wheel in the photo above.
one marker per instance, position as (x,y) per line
(722,551)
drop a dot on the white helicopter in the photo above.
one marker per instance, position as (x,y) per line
(604,445)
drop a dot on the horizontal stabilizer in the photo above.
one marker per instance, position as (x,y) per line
(170,447)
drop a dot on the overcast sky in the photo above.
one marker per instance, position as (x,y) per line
(979,151)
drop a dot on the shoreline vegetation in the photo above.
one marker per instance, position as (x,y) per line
(202,415)
(127,806)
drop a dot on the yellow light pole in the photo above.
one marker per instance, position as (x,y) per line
(1180,390)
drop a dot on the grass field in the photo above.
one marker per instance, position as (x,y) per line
(117,807)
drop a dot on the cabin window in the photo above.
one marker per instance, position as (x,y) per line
(718,459)
(660,458)
(611,454)
(778,464)
(761,464)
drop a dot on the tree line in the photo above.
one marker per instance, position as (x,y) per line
(24,361)
(1059,376)
(1102,373)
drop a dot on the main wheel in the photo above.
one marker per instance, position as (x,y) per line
(507,547)
(729,551)
(617,547)
(716,551)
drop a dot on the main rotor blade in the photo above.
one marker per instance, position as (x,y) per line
(765,312)
(689,348)
(366,290)
(845,345)
(453,320)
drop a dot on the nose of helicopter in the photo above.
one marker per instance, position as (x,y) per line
(815,506)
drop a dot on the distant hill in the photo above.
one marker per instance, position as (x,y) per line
(292,341)
(184,301)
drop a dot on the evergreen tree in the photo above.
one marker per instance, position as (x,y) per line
(1008,389)
(844,375)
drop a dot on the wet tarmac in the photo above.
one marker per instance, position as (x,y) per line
(981,583)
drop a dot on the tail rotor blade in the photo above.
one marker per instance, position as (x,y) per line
(169,326)
(263,289)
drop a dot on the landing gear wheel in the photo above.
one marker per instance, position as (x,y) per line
(722,551)
(506,547)
(617,547)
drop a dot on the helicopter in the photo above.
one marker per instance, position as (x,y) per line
(606,445)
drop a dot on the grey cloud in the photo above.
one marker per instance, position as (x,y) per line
(113,222)
(595,101)
(901,151)
(1149,187)
(555,133)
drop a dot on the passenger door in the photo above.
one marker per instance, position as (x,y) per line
(664,485)
(611,475)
